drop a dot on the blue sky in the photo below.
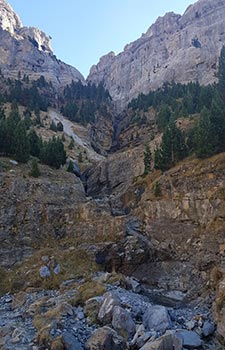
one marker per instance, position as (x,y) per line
(84,30)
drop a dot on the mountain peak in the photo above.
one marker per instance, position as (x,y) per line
(9,20)
(175,48)
(27,50)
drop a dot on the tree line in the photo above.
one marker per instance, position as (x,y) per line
(81,103)
(20,141)
(206,138)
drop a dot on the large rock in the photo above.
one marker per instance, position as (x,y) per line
(123,323)
(208,328)
(191,340)
(175,48)
(54,205)
(156,318)
(106,311)
(70,342)
(168,341)
(106,339)
(28,51)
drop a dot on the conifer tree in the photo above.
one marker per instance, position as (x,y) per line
(203,140)
(22,147)
(53,153)
(35,143)
(35,172)
(158,159)
(70,167)
(157,190)
(173,148)
(221,74)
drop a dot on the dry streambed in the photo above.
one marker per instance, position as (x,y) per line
(107,312)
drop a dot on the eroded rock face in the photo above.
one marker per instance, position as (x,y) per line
(175,48)
(27,50)
(9,20)
(53,205)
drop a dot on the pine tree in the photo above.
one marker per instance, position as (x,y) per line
(221,74)
(147,159)
(10,129)
(172,149)
(70,167)
(53,153)
(203,140)
(158,159)
(157,190)
(35,143)
(163,117)
(217,121)
(60,126)
(22,147)
(35,172)
(71,144)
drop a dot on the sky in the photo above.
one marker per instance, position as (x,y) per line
(84,30)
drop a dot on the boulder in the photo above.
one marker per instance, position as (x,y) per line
(208,328)
(123,323)
(70,342)
(141,337)
(156,318)
(91,309)
(166,342)
(106,310)
(106,339)
(191,340)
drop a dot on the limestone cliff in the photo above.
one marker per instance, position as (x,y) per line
(180,48)
(28,51)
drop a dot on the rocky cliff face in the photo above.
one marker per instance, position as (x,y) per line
(180,48)
(28,50)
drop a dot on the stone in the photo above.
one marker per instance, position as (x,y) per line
(57,269)
(13,162)
(106,339)
(44,271)
(175,48)
(70,342)
(156,318)
(134,284)
(106,311)
(91,309)
(141,337)
(123,323)
(191,340)
(139,333)
(191,325)
(208,328)
(169,341)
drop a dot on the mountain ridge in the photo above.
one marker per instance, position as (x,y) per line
(27,50)
(175,48)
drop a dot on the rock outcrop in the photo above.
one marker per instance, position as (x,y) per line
(175,48)
(27,50)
